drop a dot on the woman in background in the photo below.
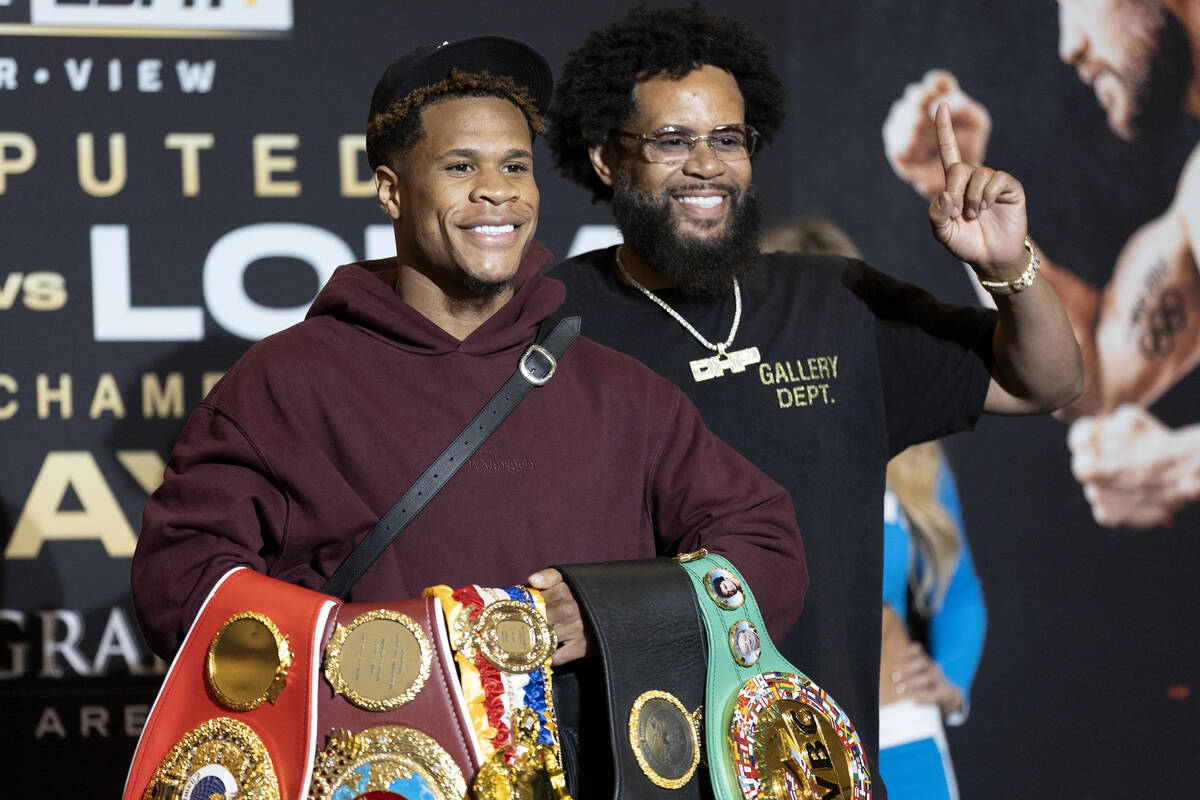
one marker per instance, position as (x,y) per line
(933,626)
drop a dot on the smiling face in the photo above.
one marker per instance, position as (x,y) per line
(699,190)
(695,224)
(1133,54)
(463,197)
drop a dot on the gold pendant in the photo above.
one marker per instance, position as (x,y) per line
(535,771)
(704,369)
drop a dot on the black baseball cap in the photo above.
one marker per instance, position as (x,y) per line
(431,63)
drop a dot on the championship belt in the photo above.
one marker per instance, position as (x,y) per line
(233,717)
(770,732)
(502,645)
(644,616)
(389,706)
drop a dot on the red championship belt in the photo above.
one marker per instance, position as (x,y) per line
(389,707)
(235,714)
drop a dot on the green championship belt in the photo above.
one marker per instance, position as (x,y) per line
(770,733)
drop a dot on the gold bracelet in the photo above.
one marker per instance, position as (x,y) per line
(1023,281)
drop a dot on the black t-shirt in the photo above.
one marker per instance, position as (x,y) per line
(855,366)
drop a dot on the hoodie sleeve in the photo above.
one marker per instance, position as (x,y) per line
(704,494)
(218,508)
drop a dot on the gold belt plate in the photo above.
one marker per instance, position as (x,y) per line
(379,661)
(248,661)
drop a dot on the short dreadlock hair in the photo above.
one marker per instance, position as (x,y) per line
(595,94)
(393,131)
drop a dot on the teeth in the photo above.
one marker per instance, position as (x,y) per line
(494,230)
(703,202)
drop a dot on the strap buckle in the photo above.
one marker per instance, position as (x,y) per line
(528,365)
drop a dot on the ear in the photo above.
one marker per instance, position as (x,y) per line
(387,190)
(604,162)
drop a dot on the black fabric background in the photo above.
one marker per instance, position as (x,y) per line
(1086,685)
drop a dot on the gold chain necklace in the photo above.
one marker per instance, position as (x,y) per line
(704,369)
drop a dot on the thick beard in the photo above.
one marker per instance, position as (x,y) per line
(699,267)
(1159,91)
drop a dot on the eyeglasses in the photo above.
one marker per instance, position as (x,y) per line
(728,143)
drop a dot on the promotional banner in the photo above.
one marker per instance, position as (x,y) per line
(179,177)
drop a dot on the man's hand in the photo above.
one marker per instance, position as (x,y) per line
(980,216)
(909,139)
(1134,470)
(562,612)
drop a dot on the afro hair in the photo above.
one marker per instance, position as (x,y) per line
(595,94)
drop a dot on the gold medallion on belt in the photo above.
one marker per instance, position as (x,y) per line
(248,661)
(379,661)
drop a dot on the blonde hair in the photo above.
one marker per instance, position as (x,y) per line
(913,477)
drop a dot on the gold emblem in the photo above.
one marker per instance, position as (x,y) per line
(789,740)
(218,758)
(248,661)
(664,739)
(535,772)
(388,760)
(512,635)
(695,555)
(379,661)
(800,754)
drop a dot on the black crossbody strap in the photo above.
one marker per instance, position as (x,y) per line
(536,366)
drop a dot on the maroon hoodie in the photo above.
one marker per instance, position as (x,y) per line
(318,430)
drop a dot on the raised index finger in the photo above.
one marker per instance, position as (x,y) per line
(947,141)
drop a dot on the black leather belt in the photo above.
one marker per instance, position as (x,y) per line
(647,625)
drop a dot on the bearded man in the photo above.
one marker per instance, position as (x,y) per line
(817,368)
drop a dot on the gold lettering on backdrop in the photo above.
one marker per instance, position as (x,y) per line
(22,160)
(189,146)
(146,467)
(60,395)
(50,723)
(268,162)
(42,519)
(801,382)
(103,168)
(163,395)
(39,291)
(93,719)
(10,289)
(351,148)
(8,384)
(107,398)
(208,380)
(85,148)
(161,399)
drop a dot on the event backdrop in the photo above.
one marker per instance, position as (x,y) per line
(178,177)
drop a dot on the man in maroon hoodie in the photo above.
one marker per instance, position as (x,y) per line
(317,430)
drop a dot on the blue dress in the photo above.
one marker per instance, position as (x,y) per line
(916,766)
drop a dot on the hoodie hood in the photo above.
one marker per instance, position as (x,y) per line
(363,294)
